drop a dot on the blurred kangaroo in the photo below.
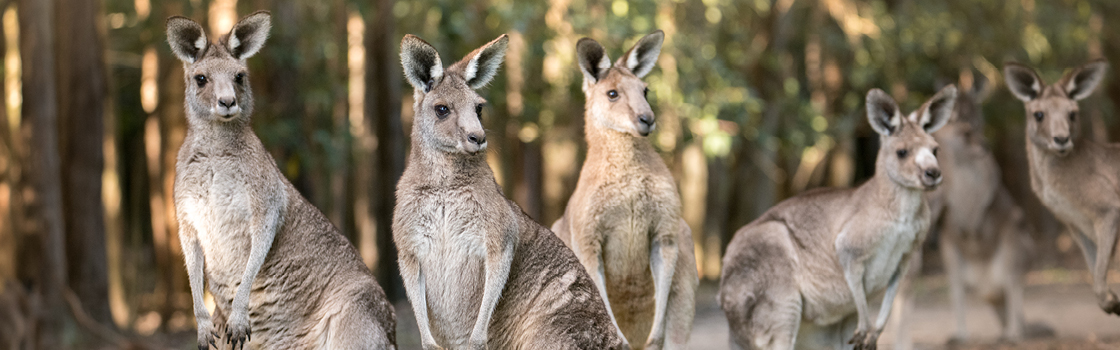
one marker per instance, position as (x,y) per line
(624,219)
(284,276)
(800,276)
(983,235)
(1081,186)
(478,271)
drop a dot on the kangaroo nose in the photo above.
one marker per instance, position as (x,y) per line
(227,102)
(476,138)
(933,174)
(646,119)
(1061,140)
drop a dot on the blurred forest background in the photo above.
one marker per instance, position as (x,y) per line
(757,100)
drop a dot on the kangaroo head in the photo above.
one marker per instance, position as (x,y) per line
(217,79)
(965,130)
(448,111)
(1052,111)
(907,152)
(616,96)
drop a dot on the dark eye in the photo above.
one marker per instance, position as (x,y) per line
(478,111)
(613,95)
(239,78)
(645,93)
(1072,116)
(442,111)
(902,153)
(1038,116)
(935,151)
(200,79)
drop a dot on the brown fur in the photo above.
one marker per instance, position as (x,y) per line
(624,218)
(801,275)
(478,271)
(1075,177)
(281,275)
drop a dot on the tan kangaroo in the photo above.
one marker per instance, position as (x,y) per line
(624,219)
(479,272)
(284,276)
(983,235)
(1081,186)
(800,276)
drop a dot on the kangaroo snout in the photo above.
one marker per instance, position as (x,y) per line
(645,123)
(476,141)
(227,108)
(931,177)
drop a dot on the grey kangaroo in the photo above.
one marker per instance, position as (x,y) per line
(800,276)
(1081,185)
(281,273)
(478,271)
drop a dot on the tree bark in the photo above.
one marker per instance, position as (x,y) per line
(81,103)
(383,103)
(40,123)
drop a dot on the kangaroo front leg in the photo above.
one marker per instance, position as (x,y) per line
(662,262)
(590,255)
(853,274)
(951,257)
(1106,229)
(888,301)
(263,228)
(413,277)
(192,255)
(498,261)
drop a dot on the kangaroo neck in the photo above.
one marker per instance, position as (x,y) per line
(441,169)
(608,145)
(900,201)
(219,134)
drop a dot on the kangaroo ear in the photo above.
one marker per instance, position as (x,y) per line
(593,60)
(421,63)
(483,63)
(187,39)
(643,56)
(1081,82)
(937,111)
(981,88)
(883,112)
(249,34)
(1023,82)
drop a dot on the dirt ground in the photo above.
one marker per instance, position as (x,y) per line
(1068,307)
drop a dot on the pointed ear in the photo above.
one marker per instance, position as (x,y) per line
(421,63)
(883,112)
(643,56)
(187,39)
(249,34)
(483,63)
(1081,82)
(1023,82)
(981,88)
(937,111)
(593,60)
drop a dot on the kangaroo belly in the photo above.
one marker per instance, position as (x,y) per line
(454,278)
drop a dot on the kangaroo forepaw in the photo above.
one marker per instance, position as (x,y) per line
(1111,304)
(237,332)
(864,340)
(206,335)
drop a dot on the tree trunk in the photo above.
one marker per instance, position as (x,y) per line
(40,122)
(81,103)
(383,103)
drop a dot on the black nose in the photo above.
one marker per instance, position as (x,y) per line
(646,119)
(933,174)
(227,102)
(476,138)
(1061,140)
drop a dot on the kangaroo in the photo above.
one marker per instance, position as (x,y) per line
(1081,186)
(800,275)
(285,277)
(983,234)
(624,219)
(478,271)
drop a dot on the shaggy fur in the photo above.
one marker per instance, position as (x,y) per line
(478,271)
(624,219)
(1081,185)
(281,275)
(800,276)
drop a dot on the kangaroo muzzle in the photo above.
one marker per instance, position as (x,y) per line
(645,123)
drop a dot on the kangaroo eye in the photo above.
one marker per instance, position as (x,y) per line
(613,95)
(478,111)
(442,111)
(239,78)
(902,153)
(200,79)
(935,151)
(1072,116)
(1038,116)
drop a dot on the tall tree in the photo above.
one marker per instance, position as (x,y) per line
(383,105)
(81,103)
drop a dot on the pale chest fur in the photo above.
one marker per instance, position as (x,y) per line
(1046,174)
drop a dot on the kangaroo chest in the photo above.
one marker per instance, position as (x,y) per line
(1054,194)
